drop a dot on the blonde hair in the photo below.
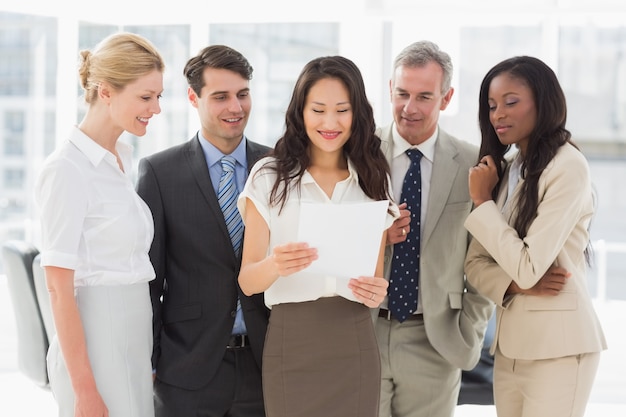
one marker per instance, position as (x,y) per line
(118,60)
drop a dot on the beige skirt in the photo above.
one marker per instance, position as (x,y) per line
(321,359)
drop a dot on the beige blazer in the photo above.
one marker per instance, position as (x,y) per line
(455,314)
(533,327)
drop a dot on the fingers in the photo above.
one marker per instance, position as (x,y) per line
(560,271)
(486,165)
(371,291)
(397,234)
(401,226)
(551,283)
(488,160)
(293,257)
(483,177)
(405,215)
(550,290)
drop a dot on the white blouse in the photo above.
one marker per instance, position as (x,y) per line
(93,221)
(283,226)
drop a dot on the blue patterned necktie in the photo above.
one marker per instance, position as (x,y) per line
(227,196)
(404,278)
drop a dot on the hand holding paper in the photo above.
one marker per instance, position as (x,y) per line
(293,257)
(371,291)
(347,238)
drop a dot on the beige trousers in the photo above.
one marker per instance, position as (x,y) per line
(558,387)
(416,380)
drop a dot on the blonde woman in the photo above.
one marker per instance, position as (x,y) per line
(96,233)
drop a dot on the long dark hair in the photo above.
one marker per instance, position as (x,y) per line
(362,148)
(548,135)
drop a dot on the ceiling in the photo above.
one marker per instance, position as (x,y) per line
(191,11)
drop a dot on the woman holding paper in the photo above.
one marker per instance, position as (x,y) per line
(320,357)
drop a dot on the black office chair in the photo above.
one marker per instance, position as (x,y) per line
(43,297)
(32,341)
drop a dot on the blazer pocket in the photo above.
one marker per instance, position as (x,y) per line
(459,206)
(456,300)
(182,313)
(563,301)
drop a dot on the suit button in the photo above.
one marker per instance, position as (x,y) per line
(233,313)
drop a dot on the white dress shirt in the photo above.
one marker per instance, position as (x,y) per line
(93,221)
(283,224)
(400,164)
(515,174)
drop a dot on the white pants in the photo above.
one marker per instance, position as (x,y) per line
(117,321)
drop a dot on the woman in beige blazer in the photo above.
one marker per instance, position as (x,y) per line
(530,244)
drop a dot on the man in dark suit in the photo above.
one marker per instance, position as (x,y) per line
(208,336)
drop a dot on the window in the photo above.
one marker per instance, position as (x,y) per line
(14,133)
(14,178)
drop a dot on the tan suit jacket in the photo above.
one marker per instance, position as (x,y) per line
(455,314)
(534,327)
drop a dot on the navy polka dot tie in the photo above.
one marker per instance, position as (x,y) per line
(404,277)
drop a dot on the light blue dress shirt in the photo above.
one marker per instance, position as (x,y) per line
(213,157)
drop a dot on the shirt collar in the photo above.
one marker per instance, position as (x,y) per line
(515,171)
(213,155)
(517,160)
(93,151)
(427,148)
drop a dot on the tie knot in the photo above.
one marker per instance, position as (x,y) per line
(414,154)
(228,163)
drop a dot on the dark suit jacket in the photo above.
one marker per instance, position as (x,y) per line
(195,292)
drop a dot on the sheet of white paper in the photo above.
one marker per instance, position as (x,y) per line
(347,238)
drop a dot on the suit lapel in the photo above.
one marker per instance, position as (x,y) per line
(198,165)
(504,189)
(254,152)
(501,199)
(443,175)
(445,170)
